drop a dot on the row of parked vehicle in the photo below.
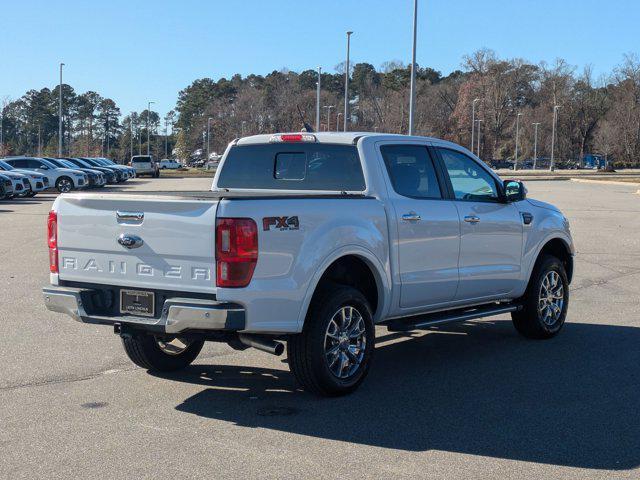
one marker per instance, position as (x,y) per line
(26,176)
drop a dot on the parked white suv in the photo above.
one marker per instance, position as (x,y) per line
(37,182)
(145,165)
(169,164)
(63,179)
(312,239)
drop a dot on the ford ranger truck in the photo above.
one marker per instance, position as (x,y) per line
(310,240)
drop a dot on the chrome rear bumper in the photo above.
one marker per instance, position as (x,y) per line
(177,315)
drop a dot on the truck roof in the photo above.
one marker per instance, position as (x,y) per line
(346,138)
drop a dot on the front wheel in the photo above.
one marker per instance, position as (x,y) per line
(161,354)
(64,184)
(333,353)
(545,303)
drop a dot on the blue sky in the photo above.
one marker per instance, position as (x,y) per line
(134,51)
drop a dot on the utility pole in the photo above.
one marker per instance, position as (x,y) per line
(148,128)
(139,142)
(208,137)
(473,121)
(39,142)
(535,144)
(338,121)
(412,88)
(553,136)
(346,85)
(242,127)
(60,114)
(479,131)
(318,100)
(515,163)
(328,107)
(1,138)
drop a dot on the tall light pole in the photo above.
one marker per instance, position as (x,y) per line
(515,163)
(131,134)
(412,87)
(60,113)
(208,136)
(328,107)
(346,84)
(39,141)
(318,100)
(166,136)
(473,120)
(479,131)
(338,121)
(535,144)
(553,136)
(242,126)
(148,128)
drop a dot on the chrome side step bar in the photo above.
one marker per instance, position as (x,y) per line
(439,318)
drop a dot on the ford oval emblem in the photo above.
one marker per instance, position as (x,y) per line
(130,241)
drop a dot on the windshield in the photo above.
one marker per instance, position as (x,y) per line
(90,161)
(5,166)
(56,162)
(78,163)
(69,164)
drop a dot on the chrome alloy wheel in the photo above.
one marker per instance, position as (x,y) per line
(551,298)
(65,185)
(175,346)
(345,342)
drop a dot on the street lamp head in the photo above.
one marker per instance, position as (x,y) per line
(349,32)
(476,100)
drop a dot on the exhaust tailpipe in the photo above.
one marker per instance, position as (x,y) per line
(262,343)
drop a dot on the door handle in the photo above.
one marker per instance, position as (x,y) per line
(411,217)
(471,219)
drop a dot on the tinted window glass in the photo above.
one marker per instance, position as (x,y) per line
(20,163)
(291,166)
(469,180)
(411,170)
(313,166)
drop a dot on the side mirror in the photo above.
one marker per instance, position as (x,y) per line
(514,191)
(43,167)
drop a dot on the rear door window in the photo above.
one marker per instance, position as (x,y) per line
(297,166)
(411,171)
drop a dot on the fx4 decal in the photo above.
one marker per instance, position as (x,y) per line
(280,223)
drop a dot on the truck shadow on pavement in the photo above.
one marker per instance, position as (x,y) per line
(476,388)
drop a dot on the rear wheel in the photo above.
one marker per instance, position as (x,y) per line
(64,184)
(333,353)
(161,354)
(545,303)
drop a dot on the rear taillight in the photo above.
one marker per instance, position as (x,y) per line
(236,251)
(52,241)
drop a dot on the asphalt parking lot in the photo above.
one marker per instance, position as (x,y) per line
(470,401)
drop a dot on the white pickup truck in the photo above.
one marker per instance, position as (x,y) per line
(311,239)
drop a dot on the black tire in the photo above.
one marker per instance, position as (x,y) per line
(529,321)
(144,351)
(64,184)
(306,350)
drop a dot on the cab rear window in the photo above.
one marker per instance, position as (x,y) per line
(298,166)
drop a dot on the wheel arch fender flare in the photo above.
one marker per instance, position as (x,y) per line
(380,274)
(557,235)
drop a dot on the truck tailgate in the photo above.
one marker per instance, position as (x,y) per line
(171,241)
